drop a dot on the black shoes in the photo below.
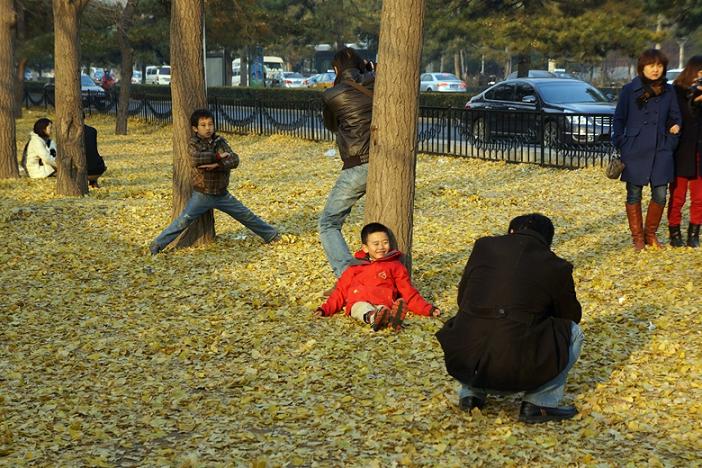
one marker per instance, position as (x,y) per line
(675,236)
(693,235)
(532,414)
(470,402)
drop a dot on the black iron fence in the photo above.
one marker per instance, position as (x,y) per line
(538,137)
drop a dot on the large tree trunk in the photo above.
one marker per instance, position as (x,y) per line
(125,49)
(71,175)
(393,151)
(188,93)
(8,137)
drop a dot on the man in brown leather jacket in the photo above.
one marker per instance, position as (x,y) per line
(347,111)
(516,329)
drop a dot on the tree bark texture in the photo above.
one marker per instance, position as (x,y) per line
(71,176)
(188,93)
(127,54)
(20,35)
(393,151)
(8,136)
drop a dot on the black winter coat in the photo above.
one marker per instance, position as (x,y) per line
(94,163)
(516,304)
(690,136)
(347,113)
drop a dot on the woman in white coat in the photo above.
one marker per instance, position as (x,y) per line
(39,158)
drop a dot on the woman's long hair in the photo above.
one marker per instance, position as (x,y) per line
(689,73)
(40,128)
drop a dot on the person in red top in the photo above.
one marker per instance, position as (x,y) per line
(377,290)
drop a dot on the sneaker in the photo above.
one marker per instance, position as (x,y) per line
(470,402)
(533,414)
(398,313)
(381,318)
(154,249)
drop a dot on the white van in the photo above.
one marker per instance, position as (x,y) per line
(159,75)
(271,63)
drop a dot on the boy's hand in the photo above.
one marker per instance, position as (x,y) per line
(208,167)
(435,312)
(675,129)
(318,312)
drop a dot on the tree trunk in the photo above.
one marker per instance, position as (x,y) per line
(8,137)
(19,86)
(681,52)
(393,151)
(244,67)
(125,49)
(71,177)
(188,93)
(523,65)
(227,53)
(457,65)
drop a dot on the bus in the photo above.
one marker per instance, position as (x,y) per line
(270,63)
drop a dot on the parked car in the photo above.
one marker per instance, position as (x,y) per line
(288,80)
(442,83)
(323,80)
(159,75)
(136,77)
(672,74)
(534,74)
(91,94)
(574,112)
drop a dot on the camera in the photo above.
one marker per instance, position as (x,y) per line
(370,66)
(694,91)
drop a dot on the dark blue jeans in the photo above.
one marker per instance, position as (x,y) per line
(633,193)
(199,204)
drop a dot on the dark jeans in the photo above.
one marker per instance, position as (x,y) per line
(633,193)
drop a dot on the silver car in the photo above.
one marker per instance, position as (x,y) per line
(289,80)
(442,83)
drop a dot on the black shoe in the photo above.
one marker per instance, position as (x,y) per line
(675,236)
(470,402)
(532,414)
(693,235)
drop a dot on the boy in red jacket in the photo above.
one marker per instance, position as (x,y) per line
(377,290)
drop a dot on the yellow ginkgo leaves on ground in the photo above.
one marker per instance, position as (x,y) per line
(211,355)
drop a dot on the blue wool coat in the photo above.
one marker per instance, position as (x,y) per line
(641,134)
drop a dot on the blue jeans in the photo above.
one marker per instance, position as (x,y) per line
(549,394)
(348,189)
(199,204)
(633,193)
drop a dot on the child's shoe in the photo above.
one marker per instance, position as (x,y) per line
(397,314)
(154,249)
(381,318)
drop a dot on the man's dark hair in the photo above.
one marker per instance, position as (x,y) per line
(347,58)
(200,114)
(536,222)
(372,228)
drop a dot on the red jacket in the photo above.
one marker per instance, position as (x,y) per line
(379,282)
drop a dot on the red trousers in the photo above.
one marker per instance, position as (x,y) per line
(678,192)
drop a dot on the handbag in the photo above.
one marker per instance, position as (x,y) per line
(615,167)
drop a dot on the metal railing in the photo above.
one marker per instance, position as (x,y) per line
(537,137)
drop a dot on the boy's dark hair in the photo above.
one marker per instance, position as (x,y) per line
(200,114)
(536,222)
(347,58)
(40,127)
(372,228)
(649,57)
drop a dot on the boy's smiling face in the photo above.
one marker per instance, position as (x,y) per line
(205,128)
(377,245)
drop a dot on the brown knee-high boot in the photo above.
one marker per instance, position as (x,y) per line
(653,219)
(633,214)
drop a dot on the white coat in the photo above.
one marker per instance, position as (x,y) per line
(40,162)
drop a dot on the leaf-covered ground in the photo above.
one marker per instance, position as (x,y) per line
(210,356)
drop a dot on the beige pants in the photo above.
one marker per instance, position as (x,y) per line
(360,309)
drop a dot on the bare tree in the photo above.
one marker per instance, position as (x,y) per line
(123,24)
(68,126)
(393,151)
(188,93)
(8,137)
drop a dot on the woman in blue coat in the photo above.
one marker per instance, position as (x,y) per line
(646,126)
